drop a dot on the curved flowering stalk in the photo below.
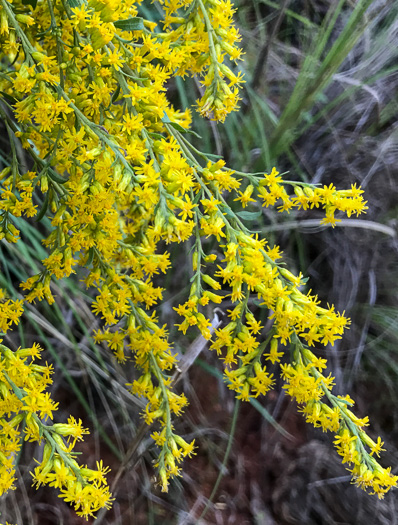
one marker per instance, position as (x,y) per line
(248,265)
(84,91)
(24,404)
(205,37)
(308,385)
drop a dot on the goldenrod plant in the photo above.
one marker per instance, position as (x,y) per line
(83,88)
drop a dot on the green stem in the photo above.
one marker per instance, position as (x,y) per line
(14,164)
(225,460)
(210,32)
(60,49)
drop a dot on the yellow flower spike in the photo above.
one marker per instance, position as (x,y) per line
(236,373)
(195,261)
(209,296)
(210,258)
(235,314)
(211,282)
(273,355)
(254,326)
(177,452)
(7,170)
(258,368)
(3,23)
(95,475)
(188,448)
(313,411)
(298,191)
(60,442)
(164,483)
(309,192)
(72,429)
(294,279)
(32,432)
(356,420)
(243,392)
(25,19)
(170,462)
(383,480)
(245,197)
(376,448)
(4,390)
(15,421)
(48,453)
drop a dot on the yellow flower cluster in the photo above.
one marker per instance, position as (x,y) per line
(203,36)
(24,404)
(272,190)
(15,200)
(10,311)
(86,83)
(308,385)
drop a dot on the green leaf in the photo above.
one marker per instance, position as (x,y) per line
(33,3)
(44,207)
(213,156)
(197,198)
(268,417)
(74,3)
(90,257)
(8,97)
(249,215)
(115,94)
(178,127)
(134,23)
(55,177)
(228,211)
(41,34)
(156,136)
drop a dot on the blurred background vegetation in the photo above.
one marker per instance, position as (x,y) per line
(320,103)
